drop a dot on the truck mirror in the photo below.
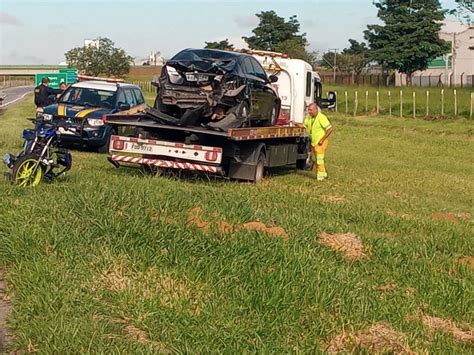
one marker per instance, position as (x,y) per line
(273,78)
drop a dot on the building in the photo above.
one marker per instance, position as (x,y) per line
(454,69)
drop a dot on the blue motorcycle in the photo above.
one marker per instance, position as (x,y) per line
(42,158)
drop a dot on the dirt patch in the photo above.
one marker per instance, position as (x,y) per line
(347,243)
(113,279)
(379,338)
(468,261)
(263,228)
(446,216)
(463,215)
(446,326)
(334,199)
(5,307)
(196,220)
(141,337)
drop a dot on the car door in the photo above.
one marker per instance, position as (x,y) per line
(264,88)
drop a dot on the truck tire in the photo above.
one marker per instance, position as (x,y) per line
(260,168)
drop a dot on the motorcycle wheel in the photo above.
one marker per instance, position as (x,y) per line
(23,173)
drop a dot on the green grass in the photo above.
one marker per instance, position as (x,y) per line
(104,256)
(434,101)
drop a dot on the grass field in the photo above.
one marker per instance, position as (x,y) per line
(377,258)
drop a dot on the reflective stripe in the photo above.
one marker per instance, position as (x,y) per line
(327,127)
(84,113)
(61,110)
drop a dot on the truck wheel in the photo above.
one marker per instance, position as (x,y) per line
(105,148)
(301,164)
(260,168)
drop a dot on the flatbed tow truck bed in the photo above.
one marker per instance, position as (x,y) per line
(238,153)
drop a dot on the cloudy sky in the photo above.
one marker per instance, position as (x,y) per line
(40,32)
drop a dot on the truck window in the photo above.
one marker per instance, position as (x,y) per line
(138,96)
(309,78)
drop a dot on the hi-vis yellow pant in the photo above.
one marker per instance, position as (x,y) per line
(318,158)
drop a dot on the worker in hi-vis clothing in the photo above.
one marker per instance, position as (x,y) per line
(319,129)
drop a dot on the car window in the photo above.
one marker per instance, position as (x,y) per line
(249,67)
(139,96)
(258,70)
(130,98)
(308,84)
(121,98)
(88,97)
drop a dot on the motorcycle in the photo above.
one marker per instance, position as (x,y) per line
(42,158)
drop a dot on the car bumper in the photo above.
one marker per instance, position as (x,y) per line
(92,137)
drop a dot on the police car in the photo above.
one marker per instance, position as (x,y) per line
(83,105)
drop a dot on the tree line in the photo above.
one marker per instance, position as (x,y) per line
(406,40)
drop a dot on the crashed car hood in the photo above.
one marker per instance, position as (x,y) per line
(207,66)
(77,111)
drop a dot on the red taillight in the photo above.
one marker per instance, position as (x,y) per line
(284,117)
(210,156)
(104,118)
(118,144)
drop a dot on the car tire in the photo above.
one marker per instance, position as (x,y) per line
(274,115)
(105,148)
(260,168)
(244,112)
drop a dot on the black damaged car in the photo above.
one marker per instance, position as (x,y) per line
(216,89)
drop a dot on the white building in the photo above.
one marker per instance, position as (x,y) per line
(455,68)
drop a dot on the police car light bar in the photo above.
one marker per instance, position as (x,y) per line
(109,80)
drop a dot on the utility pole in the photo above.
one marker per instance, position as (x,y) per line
(334,64)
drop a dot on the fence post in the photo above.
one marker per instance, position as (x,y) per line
(442,102)
(378,103)
(455,103)
(401,103)
(356,103)
(366,101)
(414,104)
(335,93)
(347,107)
(472,99)
(427,103)
(389,104)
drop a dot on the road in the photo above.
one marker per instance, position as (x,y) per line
(14,95)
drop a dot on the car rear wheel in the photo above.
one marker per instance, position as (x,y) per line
(244,113)
(274,115)
(260,168)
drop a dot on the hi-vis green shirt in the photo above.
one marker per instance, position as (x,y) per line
(316,127)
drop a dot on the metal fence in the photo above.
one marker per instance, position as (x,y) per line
(4,84)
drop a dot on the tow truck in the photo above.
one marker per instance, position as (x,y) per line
(238,153)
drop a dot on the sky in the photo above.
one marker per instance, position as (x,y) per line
(41,31)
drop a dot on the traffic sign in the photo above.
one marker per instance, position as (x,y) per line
(55,79)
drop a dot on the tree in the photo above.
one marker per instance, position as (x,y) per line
(224,44)
(352,59)
(100,58)
(273,30)
(465,10)
(274,33)
(408,40)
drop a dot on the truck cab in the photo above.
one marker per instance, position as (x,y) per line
(297,86)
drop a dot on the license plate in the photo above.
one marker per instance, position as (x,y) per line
(70,130)
(140,147)
(196,77)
